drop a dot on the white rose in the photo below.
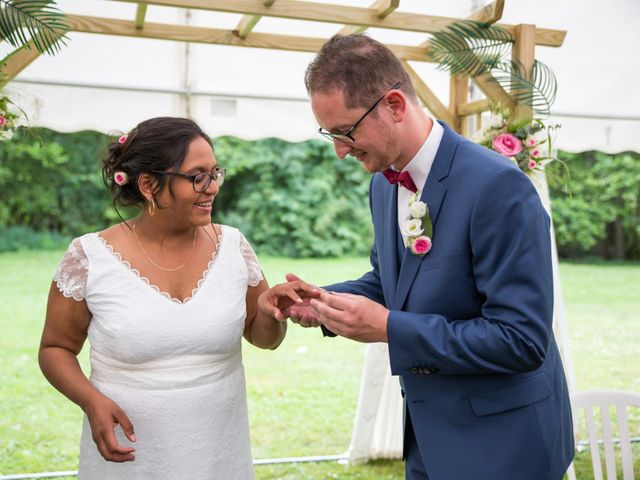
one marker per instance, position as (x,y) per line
(412,228)
(418,209)
(496,121)
(480,136)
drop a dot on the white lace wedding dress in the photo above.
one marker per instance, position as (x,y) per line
(174,367)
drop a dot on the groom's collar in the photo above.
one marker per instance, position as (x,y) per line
(420,165)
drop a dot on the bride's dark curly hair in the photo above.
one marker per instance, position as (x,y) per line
(159,144)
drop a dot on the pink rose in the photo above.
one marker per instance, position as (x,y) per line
(122,139)
(507,144)
(532,164)
(421,245)
(3,121)
(121,178)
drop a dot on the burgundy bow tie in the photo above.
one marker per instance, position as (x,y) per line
(403,178)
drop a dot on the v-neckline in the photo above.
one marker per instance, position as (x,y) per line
(117,257)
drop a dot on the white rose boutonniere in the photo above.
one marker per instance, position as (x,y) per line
(413,227)
(418,227)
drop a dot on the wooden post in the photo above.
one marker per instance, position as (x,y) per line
(523,52)
(458,96)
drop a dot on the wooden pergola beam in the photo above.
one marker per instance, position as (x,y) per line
(346,15)
(471,108)
(489,14)
(247,22)
(458,95)
(17,61)
(141,12)
(384,8)
(523,53)
(426,95)
(160,31)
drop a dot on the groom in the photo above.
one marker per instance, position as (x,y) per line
(467,312)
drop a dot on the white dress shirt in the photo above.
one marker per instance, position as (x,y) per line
(419,168)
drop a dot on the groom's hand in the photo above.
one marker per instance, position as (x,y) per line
(352,316)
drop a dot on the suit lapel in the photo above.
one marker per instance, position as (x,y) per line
(389,248)
(433,195)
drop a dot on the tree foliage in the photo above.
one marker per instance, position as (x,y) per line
(597,212)
(293,199)
(290,199)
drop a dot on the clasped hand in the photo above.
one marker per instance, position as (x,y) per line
(351,316)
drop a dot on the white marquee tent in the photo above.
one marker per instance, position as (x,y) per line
(105,82)
(110,83)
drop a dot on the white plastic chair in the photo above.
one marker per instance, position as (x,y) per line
(601,430)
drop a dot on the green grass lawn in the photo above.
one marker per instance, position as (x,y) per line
(302,397)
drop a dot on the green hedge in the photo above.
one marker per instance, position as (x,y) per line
(290,199)
(596,213)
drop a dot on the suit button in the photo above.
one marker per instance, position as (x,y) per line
(414,370)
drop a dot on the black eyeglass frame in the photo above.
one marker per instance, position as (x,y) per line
(211,177)
(346,137)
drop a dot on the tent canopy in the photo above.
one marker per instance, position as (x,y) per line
(112,75)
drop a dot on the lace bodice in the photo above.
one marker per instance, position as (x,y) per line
(175,368)
(71,274)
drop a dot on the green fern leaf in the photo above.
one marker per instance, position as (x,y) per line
(469,47)
(36,20)
(536,90)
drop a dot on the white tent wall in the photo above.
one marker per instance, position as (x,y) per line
(596,68)
(109,84)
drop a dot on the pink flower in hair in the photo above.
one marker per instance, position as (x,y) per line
(122,139)
(121,178)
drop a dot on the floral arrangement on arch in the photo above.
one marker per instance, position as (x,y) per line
(7,118)
(527,143)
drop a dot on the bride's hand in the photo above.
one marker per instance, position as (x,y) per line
(301,313)
(104,415)
(276,301)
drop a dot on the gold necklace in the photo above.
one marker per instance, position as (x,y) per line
(195,232)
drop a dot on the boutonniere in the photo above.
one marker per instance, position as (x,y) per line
(418,227)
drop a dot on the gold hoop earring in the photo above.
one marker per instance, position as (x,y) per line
(151,206)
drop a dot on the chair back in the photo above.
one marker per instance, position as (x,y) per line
(603,416)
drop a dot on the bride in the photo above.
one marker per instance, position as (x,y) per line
(164,300)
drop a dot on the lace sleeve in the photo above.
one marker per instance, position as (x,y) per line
(250,258)
(71,274)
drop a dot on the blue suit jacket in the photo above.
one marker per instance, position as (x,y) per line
(470,327)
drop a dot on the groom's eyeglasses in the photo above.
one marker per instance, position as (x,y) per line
(346,136)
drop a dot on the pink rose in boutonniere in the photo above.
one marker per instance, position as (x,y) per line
(421,245)
(418,227)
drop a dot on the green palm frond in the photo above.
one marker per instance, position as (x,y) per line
(469,47)
(37,20)
(537,90)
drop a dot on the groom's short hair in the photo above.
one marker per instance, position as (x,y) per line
(360,66)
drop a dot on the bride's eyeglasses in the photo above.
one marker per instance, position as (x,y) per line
(200,181)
